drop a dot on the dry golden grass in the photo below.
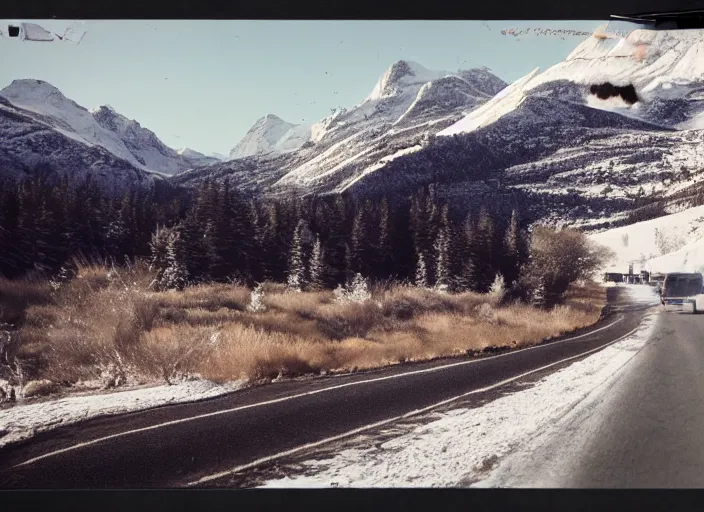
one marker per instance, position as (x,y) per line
(211,297)
(17,295)
(111,319)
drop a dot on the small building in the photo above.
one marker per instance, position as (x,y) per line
(613,277)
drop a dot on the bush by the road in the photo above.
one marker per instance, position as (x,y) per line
(559,258)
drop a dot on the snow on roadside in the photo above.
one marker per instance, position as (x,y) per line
(25,420)
(461,446)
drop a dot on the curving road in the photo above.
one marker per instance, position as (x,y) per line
(647,432)
(202,443)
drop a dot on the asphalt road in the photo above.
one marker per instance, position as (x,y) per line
(650,431)
(187,444)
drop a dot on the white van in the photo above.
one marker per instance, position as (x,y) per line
(681,291)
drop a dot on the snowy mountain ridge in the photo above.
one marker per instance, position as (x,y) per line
(102,126)
(664,67)
(402,95)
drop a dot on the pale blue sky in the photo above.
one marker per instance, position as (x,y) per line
(202,84)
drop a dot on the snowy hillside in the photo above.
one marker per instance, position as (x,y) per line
(665,68)
(196,158)
(689,258)
(103,126)
(667,244)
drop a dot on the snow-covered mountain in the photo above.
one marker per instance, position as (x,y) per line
(271,136)
(406,106)
(31,143)
(197,159)
(587,141)
(145,146)
(664,67)
(104,127)
(591,141)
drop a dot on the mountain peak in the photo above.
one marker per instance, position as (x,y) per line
(104,108)
(30,91)
(262,137)
(271,119)
(402,73)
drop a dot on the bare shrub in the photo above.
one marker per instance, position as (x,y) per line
(348,320)
(405,302)
(558,258)
(251,353)
(171,352)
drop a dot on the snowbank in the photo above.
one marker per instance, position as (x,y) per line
(23,421)
(459,447)
(638,242)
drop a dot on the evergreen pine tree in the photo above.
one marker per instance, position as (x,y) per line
(298,274)
(349,265)
(360,241)
(442,269)
(166,259)
(484,252)
(467,270)
(383,261)
(317,266)
(514,250)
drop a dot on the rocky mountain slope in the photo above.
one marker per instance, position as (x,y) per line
(65,135)
(32,144)
(407,105)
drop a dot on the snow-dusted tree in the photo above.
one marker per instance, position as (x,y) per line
(498,287)
(538,295)
(317,266)
(116,235)
(255,300)
(359,239)
(166,259)
(356,291)
(298,275)
(442,259)
(421,280)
